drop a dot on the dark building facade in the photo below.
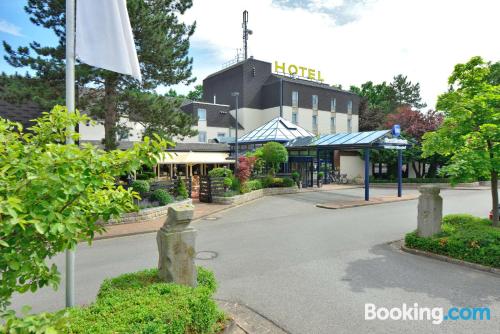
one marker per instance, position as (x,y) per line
(264,95)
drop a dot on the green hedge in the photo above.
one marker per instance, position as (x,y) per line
(410,180)
(162,196)
(464,237)
(251,186)
(220,172)
(141,186)
(141,303)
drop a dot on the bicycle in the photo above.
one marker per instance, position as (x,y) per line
(336,177)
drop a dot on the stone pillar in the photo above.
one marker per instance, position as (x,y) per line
(176,246)
(430,211)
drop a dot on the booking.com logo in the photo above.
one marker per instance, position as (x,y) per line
(436,314)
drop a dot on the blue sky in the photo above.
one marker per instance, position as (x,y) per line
(349,41)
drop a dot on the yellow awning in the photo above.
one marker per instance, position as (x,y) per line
(195,158)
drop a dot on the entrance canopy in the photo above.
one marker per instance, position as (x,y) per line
(195,158)
(353,140)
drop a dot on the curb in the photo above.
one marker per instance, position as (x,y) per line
(400,244)
(347,206)
(247,320)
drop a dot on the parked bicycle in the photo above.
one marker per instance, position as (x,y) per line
(336,177)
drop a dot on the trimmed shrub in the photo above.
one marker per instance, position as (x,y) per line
(251,186)
(464,237)
(220,172)
(228,182)
(288,182)
(162,196)
(295,176)
(141,303)
(141,186)
(181,190)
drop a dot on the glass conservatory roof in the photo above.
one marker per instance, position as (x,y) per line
(343,139)
(278,129)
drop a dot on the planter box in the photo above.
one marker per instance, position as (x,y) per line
(238,199)
(144,214)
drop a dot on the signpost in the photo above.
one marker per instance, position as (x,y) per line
(397,144)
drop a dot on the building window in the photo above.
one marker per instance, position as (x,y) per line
(295,99)
(294,117)
(202,114)
(202,136)
(349,125)
(315,123)
(349,107)
(315,102)
(333,105)
(332,124)
(221,136)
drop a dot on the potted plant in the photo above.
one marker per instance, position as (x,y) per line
(320,179)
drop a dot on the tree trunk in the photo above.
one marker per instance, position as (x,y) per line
(494,187)
(417,170)
(494,196)
(110,113)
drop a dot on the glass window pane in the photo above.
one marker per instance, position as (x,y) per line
(202,114)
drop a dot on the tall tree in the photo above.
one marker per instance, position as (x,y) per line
(470,133)
(406,93)
(414,125)
(196,94)
(162,45)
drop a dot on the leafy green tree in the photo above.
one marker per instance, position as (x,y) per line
(164,116)
(162,41)
(470,133)
(380,100)
(274,153)
(53,194)
(196,94)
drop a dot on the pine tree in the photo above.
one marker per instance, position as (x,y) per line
(162,45)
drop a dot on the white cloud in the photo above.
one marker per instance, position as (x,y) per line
(10,28)
(423,39)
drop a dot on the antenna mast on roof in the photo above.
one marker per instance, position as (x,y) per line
(246,32)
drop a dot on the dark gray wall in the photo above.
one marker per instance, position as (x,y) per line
(324,97)
(260,89)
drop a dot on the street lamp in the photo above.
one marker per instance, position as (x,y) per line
(236,95)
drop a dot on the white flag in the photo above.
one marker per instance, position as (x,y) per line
(104,37)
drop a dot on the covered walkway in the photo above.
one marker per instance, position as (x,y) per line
(319,151)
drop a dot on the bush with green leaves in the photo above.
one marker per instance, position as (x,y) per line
(288,182)
(235,184)
(52,195)
(251,186)
(141,186)
(141,303)
(295,176)
(463,237)
(220,172)
(145,176)
(162,196)
(274,154)
(180,190)
(228,182)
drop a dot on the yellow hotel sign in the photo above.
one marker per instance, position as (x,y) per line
(295,70)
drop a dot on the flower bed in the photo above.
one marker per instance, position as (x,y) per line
(146,214)
(238,199)
(463,237)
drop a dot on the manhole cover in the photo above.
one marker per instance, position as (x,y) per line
(211,218)
(206,255)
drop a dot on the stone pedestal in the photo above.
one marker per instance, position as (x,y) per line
(176,246)
(430,211)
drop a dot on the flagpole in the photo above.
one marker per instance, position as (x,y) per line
(70,105)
